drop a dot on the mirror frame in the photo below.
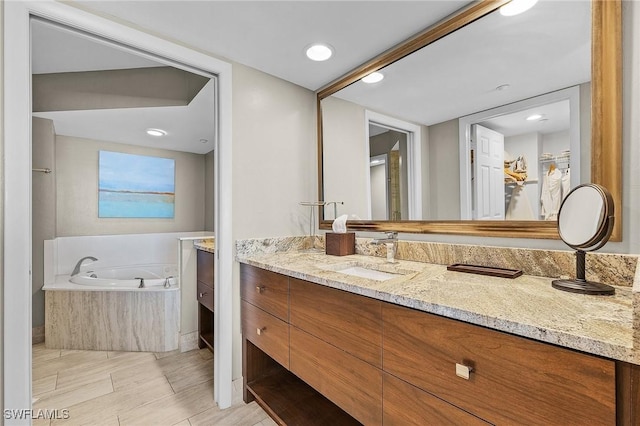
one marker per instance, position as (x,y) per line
(606,122)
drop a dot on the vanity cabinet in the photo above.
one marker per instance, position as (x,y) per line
(511,379)
(269,347)
(205,284)
(317,355)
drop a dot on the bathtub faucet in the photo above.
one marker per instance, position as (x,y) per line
(76,270)
(167,281)
(141,282)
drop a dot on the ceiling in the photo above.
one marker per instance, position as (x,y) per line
(270,36)
(542,50)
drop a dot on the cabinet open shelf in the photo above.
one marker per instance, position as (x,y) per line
(293,402)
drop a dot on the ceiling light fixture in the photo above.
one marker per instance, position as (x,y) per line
(156,132)
(503,87)
(203,140)
(516,7)
(374,77)
(319,52)
(534,117)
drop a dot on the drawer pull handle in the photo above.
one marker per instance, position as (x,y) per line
(201,295)
(463,371)
(259,331)
(260,288)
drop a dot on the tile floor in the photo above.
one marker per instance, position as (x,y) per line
(133,388)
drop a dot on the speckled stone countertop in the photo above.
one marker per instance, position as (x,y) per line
(526,306)
(207,244)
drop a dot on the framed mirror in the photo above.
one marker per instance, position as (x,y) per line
(401,153)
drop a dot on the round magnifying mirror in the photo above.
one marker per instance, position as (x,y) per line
(585,222)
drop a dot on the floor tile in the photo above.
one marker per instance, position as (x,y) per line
(172,409)
(190,374)
(133,388)
(113,404)
(85,359)
(239,415)
(43,385)
(79,374)
(60,399)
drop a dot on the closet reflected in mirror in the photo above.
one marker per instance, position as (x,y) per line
(524,157)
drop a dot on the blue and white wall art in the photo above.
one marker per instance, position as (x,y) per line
(135,186)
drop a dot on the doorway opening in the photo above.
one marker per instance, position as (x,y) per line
(17,168)
(394,162)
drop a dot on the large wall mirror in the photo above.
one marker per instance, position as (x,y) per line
(481,124)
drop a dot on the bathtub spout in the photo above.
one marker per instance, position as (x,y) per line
(167,281)
(76,270)
(141,282)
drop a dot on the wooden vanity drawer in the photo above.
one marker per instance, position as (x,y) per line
(405,404)
(266,290)
(205,295)
(514,380)
(350,383)
(346,320)
(205,267)
(267,332)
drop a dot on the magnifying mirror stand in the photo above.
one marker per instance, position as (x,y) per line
(580,284)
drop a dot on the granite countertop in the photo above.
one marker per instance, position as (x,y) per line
(526,306)
(207,244)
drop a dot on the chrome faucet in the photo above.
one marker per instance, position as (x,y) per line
(76,270)
(392,245)
(167,281)
(141,282)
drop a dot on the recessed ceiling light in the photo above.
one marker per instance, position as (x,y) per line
(515,7)
(319,52)
(374,77)
(156,132)
(503,87)
(534,117)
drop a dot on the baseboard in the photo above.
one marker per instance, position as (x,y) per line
(236,398)
(37,335)
(188,342)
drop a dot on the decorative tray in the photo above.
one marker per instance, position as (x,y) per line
(485,270)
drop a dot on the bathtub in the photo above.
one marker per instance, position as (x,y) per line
(103,309)
(129,277)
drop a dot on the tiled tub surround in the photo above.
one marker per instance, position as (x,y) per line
(526,306)
(86,317)
(145,320)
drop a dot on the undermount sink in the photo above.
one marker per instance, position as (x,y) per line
(369,271)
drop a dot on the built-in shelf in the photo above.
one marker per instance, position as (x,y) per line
(559,158)
(290,401)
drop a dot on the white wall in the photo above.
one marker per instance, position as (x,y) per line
(77,190)
(1,211)
(379,210)
(274,164)
(209,185)
(43,207)
(444,171)
(343,127)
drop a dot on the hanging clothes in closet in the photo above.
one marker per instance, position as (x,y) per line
(551,196)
